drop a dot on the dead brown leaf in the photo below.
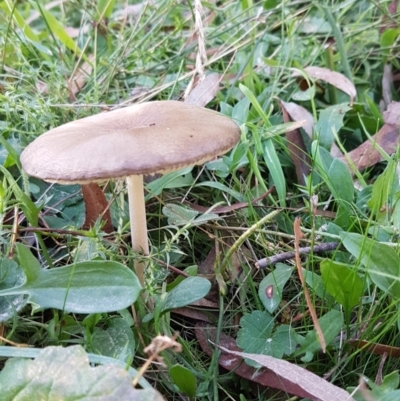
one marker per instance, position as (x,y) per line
(332,77)
(297,148)
(375,348)
(392,114)
(204,91)
(367,154)
(294,380)
(317,388)
(79,77)
(96,205)
(299,113)
(390,21)
(196,314)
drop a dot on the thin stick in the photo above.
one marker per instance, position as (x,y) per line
(324,247)
(298,234)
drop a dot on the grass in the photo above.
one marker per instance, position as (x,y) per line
(150,55)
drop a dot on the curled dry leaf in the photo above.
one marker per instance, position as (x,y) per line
(204,91)
(96,205)
(280,374)
(367,154)
(392,114)
(299,113)
(297,148)
(79,77)
(332,77)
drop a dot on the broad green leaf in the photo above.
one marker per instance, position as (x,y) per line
(381,262)
(331,324)
(28,262)
(341,181)
(51,375)
(274,166)
(87,287)
(188,291)
(256,336)
(322,157)
(343,283)
(240,111)
(184,379)
(271,287)
(116,341)
(23,352)
(11,275)
(329,123)
(315,282)
(387,39)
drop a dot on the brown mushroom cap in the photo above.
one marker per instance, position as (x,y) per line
(147,138)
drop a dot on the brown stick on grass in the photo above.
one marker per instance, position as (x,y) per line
(281,257)
(297,236)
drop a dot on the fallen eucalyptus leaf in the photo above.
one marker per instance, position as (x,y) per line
(332,77)
(318,388)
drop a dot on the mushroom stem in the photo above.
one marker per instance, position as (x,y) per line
(137,216)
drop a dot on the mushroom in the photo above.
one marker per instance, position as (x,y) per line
(147,138)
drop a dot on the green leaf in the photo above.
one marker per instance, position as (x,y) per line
(271,287)
(87,287)
(255,336)
(28,262)
(341,181)
(184,379)
(381,262)
(58,30)
(11,275)
(382,187)
(116,341)
(188,291)
(175,179)
(316,283)
(10,8)
(329,123)
(331,324)
(223,188)
(274,166)
(104,8)
(60,368)
(387,40)
(343,283)
(178,215)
